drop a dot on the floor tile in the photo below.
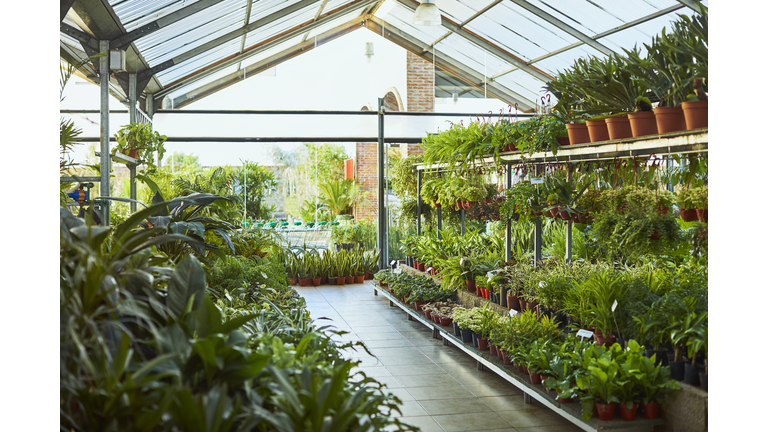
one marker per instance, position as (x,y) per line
(454,406)
(471,422)
(425,423)
(380,336)
(556,428)
(411,409)
(389,343)
(486,390)
(420,369)
(432,380)
(505,403)
(446,391)
(402,393)
(372,371)
(399,352)
(416,359)
(533,417)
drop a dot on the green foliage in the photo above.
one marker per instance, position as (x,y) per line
(141,137)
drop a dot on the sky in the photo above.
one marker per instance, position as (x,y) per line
(334,76)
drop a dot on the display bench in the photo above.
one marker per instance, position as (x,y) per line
(485,361)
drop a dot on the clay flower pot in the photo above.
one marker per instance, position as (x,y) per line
(359,279)
(535,378)
(317,281)
(642,123)
(349,279)
(650,410)
(618,127)
(628,414)
(696,114)
(702,214)
(471,285)
(605,412)
(669,119)
(563,141)
(303,281)
(482,344)
(577,133)
(598,130)
(688,215)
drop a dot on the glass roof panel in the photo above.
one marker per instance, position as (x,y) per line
(460,11)
(280,25)
(469,54)
(191,32)
(401,17)
(518,31)
(272,51)
(641,33)
(336,22)
(135,13)
(207,80)
(198,62)
(260,9)
(564,60)
(524,84)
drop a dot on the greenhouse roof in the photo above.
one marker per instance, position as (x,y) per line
(187,49)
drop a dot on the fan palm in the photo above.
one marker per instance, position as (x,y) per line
(337,195)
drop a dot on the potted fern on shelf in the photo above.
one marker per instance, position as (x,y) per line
(139,141)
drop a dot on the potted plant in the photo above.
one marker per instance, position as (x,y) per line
(140,142)
(685,199)
(700,201)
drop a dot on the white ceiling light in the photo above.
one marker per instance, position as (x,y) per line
(427,13)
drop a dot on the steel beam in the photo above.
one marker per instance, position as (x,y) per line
(419,175)
(245,23)
(508,233)
(132,119)
(235,77)
(104,166)
(448,64)
(64,5)
(690,3)
(382,237)
(253,50)
(123,41)
(485,44)
(317,15)
(563,26)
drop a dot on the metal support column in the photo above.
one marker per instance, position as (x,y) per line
(508,238)
(418,203)
(537,233)
(383,255)
(439,222)
(569,228)
(150,114)
(132,104)
(463,229)
(104,167)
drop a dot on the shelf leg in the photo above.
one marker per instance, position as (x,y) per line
(445,342)
(480,366)
(375,292)
(410,318)
(435,333)
(526,398)
(391,303)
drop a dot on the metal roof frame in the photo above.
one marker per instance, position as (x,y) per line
(92,21)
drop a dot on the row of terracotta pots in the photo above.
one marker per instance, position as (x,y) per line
(330,281)
(435,318)
(423,267)
(689,116)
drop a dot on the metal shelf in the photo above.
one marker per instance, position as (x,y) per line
(569,411)
(121,158)
(695,141)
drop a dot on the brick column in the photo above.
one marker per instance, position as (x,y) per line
(421,91)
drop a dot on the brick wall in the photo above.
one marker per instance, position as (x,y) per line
(421,92)
(366,176)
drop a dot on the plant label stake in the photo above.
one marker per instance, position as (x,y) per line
(584,333)
(613,307)
(228,296)
(537,180)
(512,312)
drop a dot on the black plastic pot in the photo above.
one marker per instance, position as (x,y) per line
(474,339)
(466,336)
(677,369)
(456,330)
(692,374)
(661,356)
(703,379)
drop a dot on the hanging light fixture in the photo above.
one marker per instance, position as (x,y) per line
(427,13)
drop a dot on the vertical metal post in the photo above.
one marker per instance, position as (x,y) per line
(508,238)
(537,232)
(463,215)
(150,114)
(104,166)
(132,103)
(418,202)
(569,228)
(383,258)
(439,222)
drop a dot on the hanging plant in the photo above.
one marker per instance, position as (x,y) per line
(139,141)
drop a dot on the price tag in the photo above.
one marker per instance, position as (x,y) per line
(512,312)
(615,303)
(228,296)
(265,275)
(393,262)
(537,180)
(429,269)
(584,333)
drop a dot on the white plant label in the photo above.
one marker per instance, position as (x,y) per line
(537,180)
(429,269)
(228,296)
(584,333)
(393,262)
(217,307)
(265,275)
(461,262)
(615,303)
(542,284)
(512,312)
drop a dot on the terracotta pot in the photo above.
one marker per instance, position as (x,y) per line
(294,281)
(669,119)
(133,153)
(618,127)
(435,204)
(492,347)
(582,218)
(505,357)
(564,215)
(605,412)
(446,321)
(642,123)
(598,130)
(482,344)
(510,147)
(368,276)
(349,279)
(696,114)
(317,281)
(650,410)
(535,378)
(303,281)
(563,141)
(564,400)
(628,414)
(418,305)
(513,302)
(340,280)
(554,212)
(655,236)
(688,215)
(702,214)
(471,285)
(577,133)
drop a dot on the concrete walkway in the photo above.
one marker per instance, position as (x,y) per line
(440,386)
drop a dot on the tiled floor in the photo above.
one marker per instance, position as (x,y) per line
(440,386)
